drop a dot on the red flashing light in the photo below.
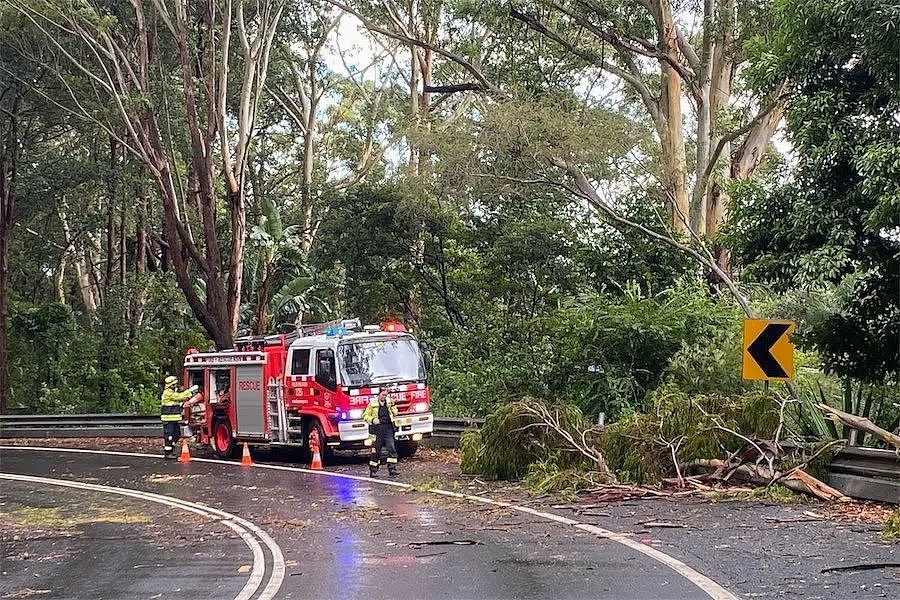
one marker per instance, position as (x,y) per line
(392,326)
(192,351)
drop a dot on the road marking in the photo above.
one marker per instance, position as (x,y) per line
(707,585)
(240,526)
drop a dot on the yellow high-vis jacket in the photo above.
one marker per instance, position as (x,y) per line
(371,412)
(171,404)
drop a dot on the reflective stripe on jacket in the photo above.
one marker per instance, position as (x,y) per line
(171,404)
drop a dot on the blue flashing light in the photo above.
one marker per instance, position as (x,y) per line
(336,331)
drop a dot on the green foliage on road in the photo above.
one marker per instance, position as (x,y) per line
(512,439)
(680,427)
(642,447)
(892,525)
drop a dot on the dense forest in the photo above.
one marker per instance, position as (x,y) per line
(577,202)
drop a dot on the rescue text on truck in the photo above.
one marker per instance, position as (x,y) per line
(285,390)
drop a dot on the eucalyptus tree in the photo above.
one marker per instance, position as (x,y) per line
(177,84)
(331,96)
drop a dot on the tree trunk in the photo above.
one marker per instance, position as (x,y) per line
(140,267)
(306,193)
(110,216)
(674,159)
(262,301)
(751,151)
(6,205)
(123,208)
(59,278)
(82,277)
(92,253)
(236,267)
(9,154)
(7,171)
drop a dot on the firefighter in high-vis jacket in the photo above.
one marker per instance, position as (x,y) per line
(170,413)
(381,415)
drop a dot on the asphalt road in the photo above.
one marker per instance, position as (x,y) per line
(340,538)
(63,543)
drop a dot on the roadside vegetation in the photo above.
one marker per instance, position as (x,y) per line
(576,252)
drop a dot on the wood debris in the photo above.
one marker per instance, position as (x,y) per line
(663,524)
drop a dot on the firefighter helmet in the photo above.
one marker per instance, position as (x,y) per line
(170,381)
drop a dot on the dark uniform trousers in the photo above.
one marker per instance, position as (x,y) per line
(384,438)
(171,434)
(171,416)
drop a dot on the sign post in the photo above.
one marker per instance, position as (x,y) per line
(768,352)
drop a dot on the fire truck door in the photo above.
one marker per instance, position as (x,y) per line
(250,401)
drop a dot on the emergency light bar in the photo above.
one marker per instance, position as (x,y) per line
(393,326)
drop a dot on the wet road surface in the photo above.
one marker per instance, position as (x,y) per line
(62,543)
(341,538)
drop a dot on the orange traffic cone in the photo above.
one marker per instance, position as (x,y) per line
(245,458)
(185,452)
(316,464)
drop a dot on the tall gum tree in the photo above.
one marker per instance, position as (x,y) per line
(682,63)
(416,24)
(320,104)
(682,78)
(178,84)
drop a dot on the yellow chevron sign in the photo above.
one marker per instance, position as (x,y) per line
(768,351)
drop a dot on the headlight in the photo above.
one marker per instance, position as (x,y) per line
(420,407)
(356,413)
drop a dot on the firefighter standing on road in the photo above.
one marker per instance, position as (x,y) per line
(381,415)
(170,413)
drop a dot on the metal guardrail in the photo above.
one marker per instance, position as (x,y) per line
(866,473)
(446,430)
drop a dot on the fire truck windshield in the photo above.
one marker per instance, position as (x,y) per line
(380,361)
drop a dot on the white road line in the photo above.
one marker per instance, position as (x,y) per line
(235,523)
(707,585)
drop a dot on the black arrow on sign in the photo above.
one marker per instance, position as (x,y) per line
(761,346)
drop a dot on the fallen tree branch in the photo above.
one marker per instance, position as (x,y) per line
(796,480)
(799,480)
(815,455)
(860,424)
(553,422)
(863,567)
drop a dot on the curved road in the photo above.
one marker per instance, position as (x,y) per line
(342,537)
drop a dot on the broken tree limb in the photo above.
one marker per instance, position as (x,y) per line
(796,480)
(860,424)
(800,480)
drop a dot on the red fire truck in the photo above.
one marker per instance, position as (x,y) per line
(286,389)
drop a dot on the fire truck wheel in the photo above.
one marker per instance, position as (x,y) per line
(406,448)
(222,441)
(325,451)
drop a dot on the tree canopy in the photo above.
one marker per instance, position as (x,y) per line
(573,200)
